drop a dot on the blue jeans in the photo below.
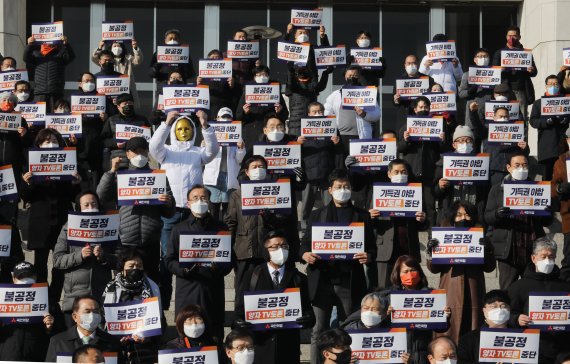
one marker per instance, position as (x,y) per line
(165,276)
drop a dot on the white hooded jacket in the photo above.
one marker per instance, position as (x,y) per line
(182,160)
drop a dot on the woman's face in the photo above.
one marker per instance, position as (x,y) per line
(194,320)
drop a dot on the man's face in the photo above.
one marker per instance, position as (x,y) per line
(372,305)
(139,151)
(389,136)
(552,82)
(501,115)
(351,74)
(494,305)
(22,88)
(105,59)
(87,78)
(239,345)
(272,125)
(422,106)
(517,162)
(331,354)
(339,185)
(443,350)
(88,202)
(240,36)
(462,140)
(171,36)
(542,255)
(411,60)
(513,36)
(198,194)
(85,306)
(397,169)
(184,131)
(480,55)
(8,63)
(254,165)
(91,356)
(316,110)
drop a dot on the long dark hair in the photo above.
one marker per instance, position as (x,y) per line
(410,262)
(469,208)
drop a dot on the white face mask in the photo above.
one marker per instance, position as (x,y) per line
(503,120)
(363,43)
(498,315)
(172,42)
(23,96)
(520,174)
(117,51)
(545,266)
(24,281)
(275,135)
(194,330)
(244,357)
(446,361)
(257,174)
(302,38)
(411,69)
(7,69)
(370,318)
(88,86)
(261,79)
(342,195)
(279,256)
(90,210)
(199,207)
(501,98)
(464,148)
(482,62)
(139,160)
(49,145)
(89,321)
(399,178)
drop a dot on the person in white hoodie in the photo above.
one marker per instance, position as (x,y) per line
(183,164)
(220,175)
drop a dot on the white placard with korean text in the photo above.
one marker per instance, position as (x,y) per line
(519,346)
(257,196)
(141,318)
(397,199)
(56,164)
(140,187)
(23,303)
(419,310)
(205,247)
(92,228)
(274,309)
(335,241)
(527,197)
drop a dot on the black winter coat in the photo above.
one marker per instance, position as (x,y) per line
(68,341)
(549,136)
(517,80)
(48,71)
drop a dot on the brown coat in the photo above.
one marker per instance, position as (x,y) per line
(455,279)
(559,176)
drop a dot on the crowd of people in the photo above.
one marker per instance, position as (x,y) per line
(204,195)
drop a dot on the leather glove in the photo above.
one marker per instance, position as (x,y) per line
(306,321)
(350,160)
(299,174)
(432,243)
(563,188)
(550,121)
(242,324)
(503,212)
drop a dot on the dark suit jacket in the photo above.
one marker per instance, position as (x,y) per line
(69,341)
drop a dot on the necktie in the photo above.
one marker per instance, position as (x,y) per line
(276,279)
(86,340)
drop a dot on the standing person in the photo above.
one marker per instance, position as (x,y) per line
(221,90)
(340,283)
(561,189)
(220,175)
(464,284)
(160,71)
(512,236)
(242,68)
(14,145)
(87,317)
(369,77)
(132,284)
(124,62)
(473,93)
(276,346)
(48,203)
(47,63)
(199,284)
(404,107)
(540,275)
(447,74)
(301,35)
(396,236)
(183,163)
(140,225)
(86,269)
(551,130)
(519,81)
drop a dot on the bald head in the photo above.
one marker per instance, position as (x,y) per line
(440,349)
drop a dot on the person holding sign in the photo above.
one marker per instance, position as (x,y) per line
(464,283)
(372,314)
(8,64)
(446,74)
(446,191)
(551,127)
(198,283)
(222,90)
(561,189)
(511,235)
(48,61)
(158,116)
(86,269)
(252,115)
(132,284)
(369,76)
(49,202)
(160,71)
(475,95)
(336,282)
(301,35)
(141,225)
(116,148)
(496,312)
(107,63)
(194,331)
(276,346)
(518,80)
(404,106)
(124,62)
(13,143)
(442,350)
(87,317)
(396,236)
(540,275)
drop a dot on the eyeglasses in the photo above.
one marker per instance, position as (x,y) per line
(280,128)
(275,247)
(242,347)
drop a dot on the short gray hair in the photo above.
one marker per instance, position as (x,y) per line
(544,243)
(374,296)
(10,96)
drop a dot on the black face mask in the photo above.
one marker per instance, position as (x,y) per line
(353,81)
(134,275)
(463,223)
(176,82)
(423,113)
(344,357)
(127,110)
(108,67)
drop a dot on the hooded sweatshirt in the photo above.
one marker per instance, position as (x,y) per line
(182,160)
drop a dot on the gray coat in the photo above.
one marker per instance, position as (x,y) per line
(140,225)
(81,276)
